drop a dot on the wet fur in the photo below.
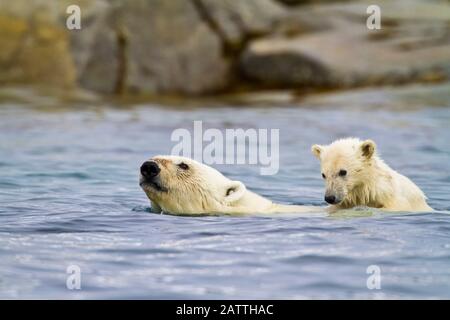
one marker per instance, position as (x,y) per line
(369,181)
(202,189)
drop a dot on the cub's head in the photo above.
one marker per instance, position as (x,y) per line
(181,185)
(345,165)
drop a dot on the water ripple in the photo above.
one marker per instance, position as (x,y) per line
(69,196)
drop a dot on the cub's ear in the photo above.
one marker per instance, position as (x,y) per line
(234,191)
(368,148)
(316,150)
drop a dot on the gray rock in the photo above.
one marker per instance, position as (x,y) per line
(169,49)
(268,64)
(94,47)
(235,21)
(174,47)
(413,45)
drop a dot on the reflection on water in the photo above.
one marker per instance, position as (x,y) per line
(69,195)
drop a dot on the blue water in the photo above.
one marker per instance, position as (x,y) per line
(69,195)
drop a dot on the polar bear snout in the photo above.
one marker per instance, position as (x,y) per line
(150,170)
(332,199)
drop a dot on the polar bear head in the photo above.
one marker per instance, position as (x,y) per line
(180,185)
(346,164)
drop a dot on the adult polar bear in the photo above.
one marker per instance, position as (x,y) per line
(180,185)
(356,176)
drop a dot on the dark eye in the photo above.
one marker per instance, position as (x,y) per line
(183,166)
(342,173)
(324,176)
(230,191)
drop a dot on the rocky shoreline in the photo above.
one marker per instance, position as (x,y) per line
(203,47)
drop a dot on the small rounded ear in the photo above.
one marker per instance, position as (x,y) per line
(316,150)
(234,191)
(367,148)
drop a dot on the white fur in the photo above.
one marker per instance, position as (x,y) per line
(369,181)
(202,189)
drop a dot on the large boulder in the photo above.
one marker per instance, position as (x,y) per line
(151,47)
(412,45)
(169,48)
(273,63)
(34,48)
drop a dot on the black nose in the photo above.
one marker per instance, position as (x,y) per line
(150,169)
(330,199)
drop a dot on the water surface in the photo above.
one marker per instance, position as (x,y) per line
(69,195)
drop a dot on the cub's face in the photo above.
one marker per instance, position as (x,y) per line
(181,185)
(344,165)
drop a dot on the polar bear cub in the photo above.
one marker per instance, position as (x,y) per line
(356,176)
(180,185)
